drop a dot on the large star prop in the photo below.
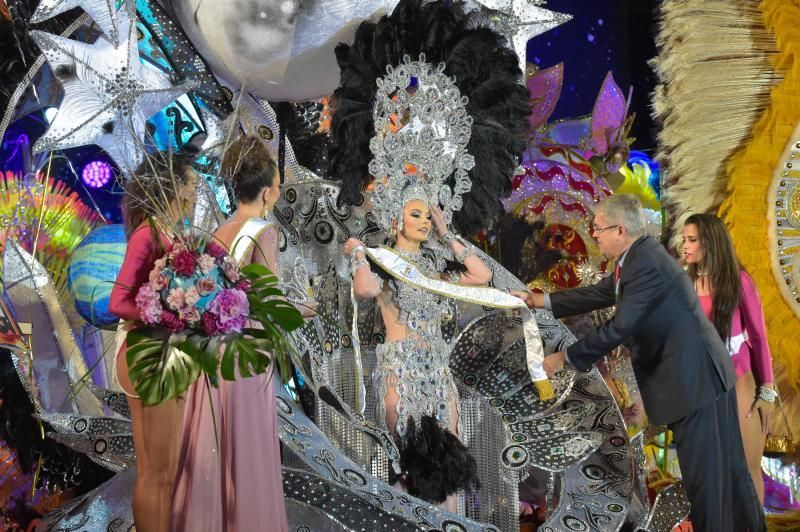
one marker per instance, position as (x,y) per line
(101,12)
(108,94)
(520,21)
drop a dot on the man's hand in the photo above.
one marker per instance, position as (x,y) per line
(532,299)
(554,363)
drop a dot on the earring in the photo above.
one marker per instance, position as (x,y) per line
(264,211)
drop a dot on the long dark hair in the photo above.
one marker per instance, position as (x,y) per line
(159,177)
(722,266)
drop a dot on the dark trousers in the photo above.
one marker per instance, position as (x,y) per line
(714,469)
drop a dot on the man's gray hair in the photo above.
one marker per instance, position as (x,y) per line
(625,210)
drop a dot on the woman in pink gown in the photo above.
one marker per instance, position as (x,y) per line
(234,483)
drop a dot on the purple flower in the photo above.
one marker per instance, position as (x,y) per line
(184,263)
(243,285)
(234,325)
(232,308)
(149,305)
(172,322)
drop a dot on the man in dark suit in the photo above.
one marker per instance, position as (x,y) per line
(682,367)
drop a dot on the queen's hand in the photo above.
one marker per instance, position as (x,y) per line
(437,217)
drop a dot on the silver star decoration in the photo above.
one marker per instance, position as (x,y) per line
(101,11)
(108,94)
(521,20)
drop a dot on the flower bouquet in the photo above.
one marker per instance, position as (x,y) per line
(205,315)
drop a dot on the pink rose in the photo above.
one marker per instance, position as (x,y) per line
(192,296)
(190,315)
(232,308)
(172,322)
(176,298)
(230,269)
(158,280)
(210,323)
(149,305)
(243,285)
(184,264)
(205,286)
(216,250)
(206,263)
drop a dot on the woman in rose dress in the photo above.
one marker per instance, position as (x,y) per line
(730,300)
(157,198)
(234,483)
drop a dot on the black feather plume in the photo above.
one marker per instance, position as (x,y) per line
(486,70)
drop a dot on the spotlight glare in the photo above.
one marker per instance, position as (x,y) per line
(96,174)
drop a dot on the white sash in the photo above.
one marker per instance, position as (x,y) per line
(735,342)
(246,238)
(406,272)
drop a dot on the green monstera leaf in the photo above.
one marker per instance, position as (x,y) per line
(158,368)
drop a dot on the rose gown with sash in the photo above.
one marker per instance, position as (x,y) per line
(236,485)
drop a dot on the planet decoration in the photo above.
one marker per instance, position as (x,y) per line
(93,271)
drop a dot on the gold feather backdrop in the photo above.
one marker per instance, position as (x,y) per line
(715,77)
(746,208)
(728,101)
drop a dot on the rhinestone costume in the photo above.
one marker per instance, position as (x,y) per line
(417,367)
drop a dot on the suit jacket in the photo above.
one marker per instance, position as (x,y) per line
(680,362)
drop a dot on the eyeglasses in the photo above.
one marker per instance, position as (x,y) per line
(598,230)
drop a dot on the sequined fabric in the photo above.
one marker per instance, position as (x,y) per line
(417,367)
(418,372)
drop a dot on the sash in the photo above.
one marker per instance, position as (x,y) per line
(408,273)
(246,238)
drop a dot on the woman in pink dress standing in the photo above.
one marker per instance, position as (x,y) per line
(731,302)
(235,484)
(157,198)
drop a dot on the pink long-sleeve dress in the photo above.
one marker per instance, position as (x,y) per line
(142,251)
(235,485)
(747,342)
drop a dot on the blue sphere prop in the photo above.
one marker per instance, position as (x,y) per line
(93,271)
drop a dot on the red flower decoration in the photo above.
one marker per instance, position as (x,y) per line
(210,323)
(172,322)
(243,285)
(215,250)
(184,264)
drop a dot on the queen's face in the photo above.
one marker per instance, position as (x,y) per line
(416,221)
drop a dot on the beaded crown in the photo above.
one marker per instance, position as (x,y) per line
(422,129)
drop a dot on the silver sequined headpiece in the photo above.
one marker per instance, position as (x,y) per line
(422,129)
